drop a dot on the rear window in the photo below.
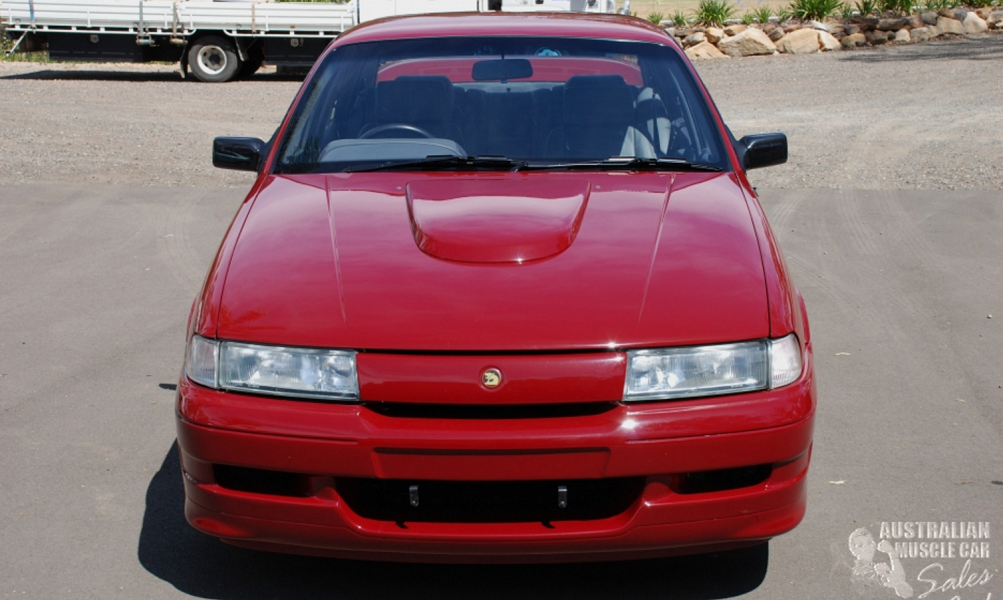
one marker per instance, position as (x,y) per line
(545,101)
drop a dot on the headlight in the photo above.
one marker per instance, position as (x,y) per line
(671,373)
(274,370)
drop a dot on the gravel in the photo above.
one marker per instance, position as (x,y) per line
(924,116)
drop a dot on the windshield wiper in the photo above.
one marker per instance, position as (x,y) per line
(446,162)
(630,163)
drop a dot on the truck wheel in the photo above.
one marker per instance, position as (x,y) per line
(213,58)
(251,65)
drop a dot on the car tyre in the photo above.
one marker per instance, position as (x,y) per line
(213,59)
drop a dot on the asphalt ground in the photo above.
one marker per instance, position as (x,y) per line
(903,288)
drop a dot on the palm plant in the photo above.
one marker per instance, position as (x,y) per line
(715,12)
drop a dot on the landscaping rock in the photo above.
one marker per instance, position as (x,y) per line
(851,29)
(704,51)
(934,32)
(694,38)
(901,37)
(776,34)
(915,22)
(854,40)
(837,29)
(974,24)
(750,42)
(995,17)
(984,12)
(828,43)
(950,26)
(920,34)
(892,24)
(946,12)
(770,26)
(818,26)
(802,41)
(791,27)
(734,29)
(960,14)
(714,35)
(876,38)
(865,23)
(930,18)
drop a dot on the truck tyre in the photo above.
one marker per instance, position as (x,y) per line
(213,58)
(251,65)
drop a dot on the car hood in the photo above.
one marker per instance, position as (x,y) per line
(495,262)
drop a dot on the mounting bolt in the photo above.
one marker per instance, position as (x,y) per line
(412,495)
(562,496)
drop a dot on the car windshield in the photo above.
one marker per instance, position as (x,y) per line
(501,103)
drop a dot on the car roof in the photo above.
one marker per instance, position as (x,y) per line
(577,25)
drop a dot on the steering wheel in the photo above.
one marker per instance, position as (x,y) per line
(391,126)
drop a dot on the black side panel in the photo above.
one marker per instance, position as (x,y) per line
(107,47)
(282,51)
(96,46)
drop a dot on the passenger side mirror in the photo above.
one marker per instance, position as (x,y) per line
(762,150)
(238,153)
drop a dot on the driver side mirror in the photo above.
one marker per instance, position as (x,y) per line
(762,150)
(238,153)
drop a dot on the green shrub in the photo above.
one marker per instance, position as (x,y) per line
(846,11)
(655,17)
(906,6)
(784,15)
(679,19)
(866,7)
(715,12)
(748,19)
(817,10)
(763,14)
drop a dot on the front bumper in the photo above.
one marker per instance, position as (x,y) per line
(658,442)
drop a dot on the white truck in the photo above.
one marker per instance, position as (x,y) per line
(220,40)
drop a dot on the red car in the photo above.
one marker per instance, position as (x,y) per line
(501,292)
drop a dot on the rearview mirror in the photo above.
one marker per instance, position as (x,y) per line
(237,153)
(502,69)
(762,150)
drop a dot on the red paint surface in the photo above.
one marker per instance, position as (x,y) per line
(645,268)
(620,260)
(525,379)
(495,220)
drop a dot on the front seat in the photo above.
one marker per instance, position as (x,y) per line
(422,101)
(598,121)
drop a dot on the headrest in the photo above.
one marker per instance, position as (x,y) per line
(598,100)
(414,99)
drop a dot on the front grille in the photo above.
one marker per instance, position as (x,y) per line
(493,411)
(488,501)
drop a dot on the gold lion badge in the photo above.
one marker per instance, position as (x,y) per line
(491,378)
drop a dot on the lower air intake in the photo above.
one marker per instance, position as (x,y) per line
(489,501)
